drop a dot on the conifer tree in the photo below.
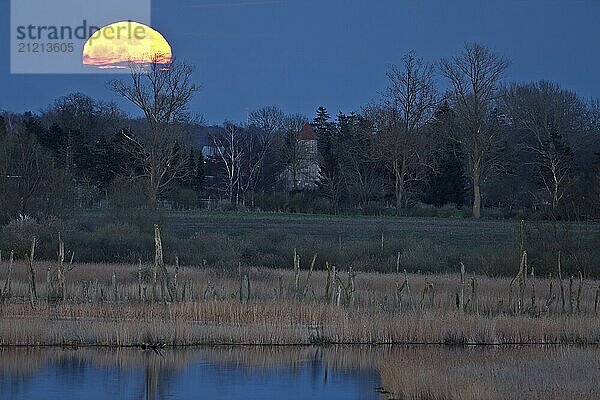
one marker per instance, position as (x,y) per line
(447,185)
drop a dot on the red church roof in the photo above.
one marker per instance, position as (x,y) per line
(307,133)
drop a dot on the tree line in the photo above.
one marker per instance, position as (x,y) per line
(529,148)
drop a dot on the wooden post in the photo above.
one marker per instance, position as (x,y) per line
(533,299)
(351,287)
(159,265)
(398,294)
(140,279)
(334,285)
(522,249)
(461,297)
(245,289)
(423,294)
(114,287)
(158,257)
(48,286)
(523,282)
(550,299)
(310,271)
(280,291)
(579,289)
(562,287)
(32,288)
(154,283)
(296,274)
(571,294)
(407,286)
(327,295)
(6,291)
(175,277)
(431,294)
(474,300)
(61,269)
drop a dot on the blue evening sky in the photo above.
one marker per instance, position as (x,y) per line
(300,54)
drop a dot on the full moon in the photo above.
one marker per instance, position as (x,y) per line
(122,43)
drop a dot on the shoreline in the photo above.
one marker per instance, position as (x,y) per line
(160,346)
(551,372)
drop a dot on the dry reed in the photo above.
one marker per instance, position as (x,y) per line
(117,305)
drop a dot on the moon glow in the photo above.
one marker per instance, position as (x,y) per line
(122,43)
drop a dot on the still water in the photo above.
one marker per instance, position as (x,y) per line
(289,373)
(215,373)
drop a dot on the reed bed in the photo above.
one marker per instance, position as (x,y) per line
(532,373)
(123,305)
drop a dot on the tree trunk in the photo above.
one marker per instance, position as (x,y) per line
(24,201)
(152,196)
(230,190)
(555,193)
(160,267)
(476,194)
(399,172)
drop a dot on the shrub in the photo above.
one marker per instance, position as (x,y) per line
(374,208)
(114,242)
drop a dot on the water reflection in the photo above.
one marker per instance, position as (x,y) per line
(213,373)
(344,372)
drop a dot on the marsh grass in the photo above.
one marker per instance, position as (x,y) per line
(103,306)
(532,373)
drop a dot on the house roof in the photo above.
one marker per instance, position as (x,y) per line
(307,133)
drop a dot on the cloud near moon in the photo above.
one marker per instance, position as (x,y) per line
(119,44)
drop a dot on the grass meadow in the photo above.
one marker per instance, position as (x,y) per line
(223,240)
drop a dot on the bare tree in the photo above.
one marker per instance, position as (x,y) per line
(553,121)
(409,104)
(229,149)
(266,127)
(163,93)
(28,168)
(75,115)
(30,183)
(475,75)
(365,177)
(242,151)
(269,120)
(76,126)
(9,121)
